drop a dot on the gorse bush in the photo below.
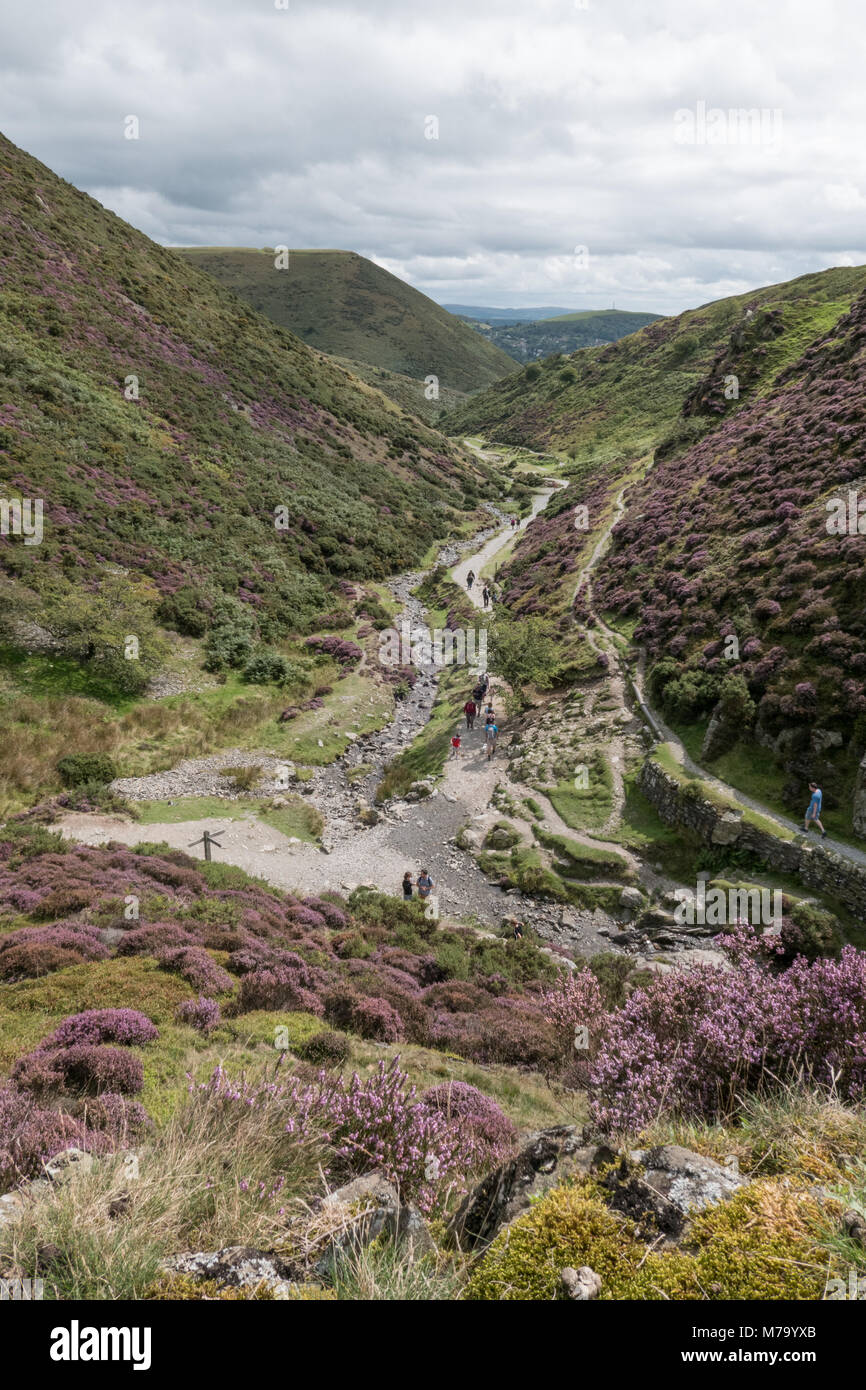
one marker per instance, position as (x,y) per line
(78,768)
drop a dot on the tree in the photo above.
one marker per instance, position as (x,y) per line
(523,651)
(111,631)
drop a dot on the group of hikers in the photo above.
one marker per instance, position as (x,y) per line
(486,593)
(475,709)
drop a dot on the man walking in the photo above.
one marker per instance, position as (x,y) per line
(485,594)
(491,733)
(470,709)
(813,810)
(424,884)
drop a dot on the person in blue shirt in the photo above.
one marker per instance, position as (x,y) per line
(813,810)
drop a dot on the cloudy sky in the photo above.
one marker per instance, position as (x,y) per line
(570,163)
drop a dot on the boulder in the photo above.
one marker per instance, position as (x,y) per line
(239,1266)
(854,1226)
(68,1164)
(661,1188)
(728,828)
(547,1159)
(582,1284)
(631,899)
(370,1207)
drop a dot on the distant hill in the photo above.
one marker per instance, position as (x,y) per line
(621,400)
(161,423)
(345,305)
(487,314)
(526,342)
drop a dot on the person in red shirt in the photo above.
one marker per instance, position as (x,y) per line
(455,746)
(470,709)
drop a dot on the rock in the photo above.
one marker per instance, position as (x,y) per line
(68,1164)
(669,1185)
(547,1159)
(631,898)
(727,828)
(10,1207)
(580,1284)
(854,1226)
(239,1266)
(859,806)
(380,1213)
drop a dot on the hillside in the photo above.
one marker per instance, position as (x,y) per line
(564,333)
(620,401)
(720,566)
(345,305)
(178,439)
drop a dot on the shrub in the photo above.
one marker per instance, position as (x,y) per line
(266,667)
(112,1114)
(154,938)
(199,969)
(489,1126)
(202,1014)
(125,1026)
(94,1068)
(327,1049)
(86,767)
(276,988)
(30,1133)
(809,930)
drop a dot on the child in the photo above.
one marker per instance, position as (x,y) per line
(455,746)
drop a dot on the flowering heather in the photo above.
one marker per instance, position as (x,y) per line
(112,1114)
(194,965)
(372,1124)
(125,1026)
(696,1041)
(202,1014)
(30,1134)
(85,1066)
(488,1125)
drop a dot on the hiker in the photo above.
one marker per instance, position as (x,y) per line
(485,594)
(407,884)
(489,716)
(470,579)
(470,709)
(424,884)
(813,810)
(491,733)
(518,931)
(455,746)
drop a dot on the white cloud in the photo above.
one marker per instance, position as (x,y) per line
(305,126)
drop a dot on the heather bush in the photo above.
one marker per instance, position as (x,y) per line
(112,1114)
(202,1014)
(697,1042)
(326,1049)
(199,969)
(489,1126)
(62,902)
(276,988)
(30,1133)
(100,1068)
(127,1027)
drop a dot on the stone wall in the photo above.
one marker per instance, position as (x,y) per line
(819,869)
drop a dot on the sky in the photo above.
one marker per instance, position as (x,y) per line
(579,153)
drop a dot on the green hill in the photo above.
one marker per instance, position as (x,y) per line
(345,305)
(526,342)
(197,466)
(621,400)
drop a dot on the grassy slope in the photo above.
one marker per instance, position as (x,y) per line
(628,395)
(344,304)
(246,415)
